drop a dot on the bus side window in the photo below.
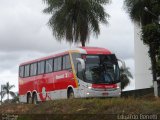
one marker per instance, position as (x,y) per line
(66,62)
(26,73)
(33,69)
(49,66)
(21,71)
(41,67)
(58,64)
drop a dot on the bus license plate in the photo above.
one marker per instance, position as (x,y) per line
(104,94)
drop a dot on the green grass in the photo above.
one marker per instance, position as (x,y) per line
(88,106)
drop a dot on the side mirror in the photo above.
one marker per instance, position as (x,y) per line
(81,61)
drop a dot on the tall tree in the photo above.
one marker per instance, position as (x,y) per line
(7,90)
(158,63)
(75,20)
(151,34)
(137,12)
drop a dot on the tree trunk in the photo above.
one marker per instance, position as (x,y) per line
(153,64)
(8,97)
(83,36)
(83,43)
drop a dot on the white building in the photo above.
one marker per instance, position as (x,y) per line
(143,76)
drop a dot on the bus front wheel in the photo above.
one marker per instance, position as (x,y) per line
(70,94)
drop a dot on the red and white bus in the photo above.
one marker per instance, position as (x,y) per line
(80,73)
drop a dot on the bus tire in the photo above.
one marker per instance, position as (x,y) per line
(70,94)
(29,98)
(34,99)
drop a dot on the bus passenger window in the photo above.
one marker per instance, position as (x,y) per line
(66,62)
(33,69)
(58,64)
(21,71)
(49,66)
(41,67)
(26,74)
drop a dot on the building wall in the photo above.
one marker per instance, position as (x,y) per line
(143,76)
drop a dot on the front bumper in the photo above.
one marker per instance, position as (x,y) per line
(106,93)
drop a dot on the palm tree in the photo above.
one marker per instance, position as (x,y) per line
(135,8)
(15,98)
(7,90)
(74,20)
(125,76)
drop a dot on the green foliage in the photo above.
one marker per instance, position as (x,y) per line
(125,76)
(7,90)
(82,107)
(74,20)
(124,81)
(15,98)
(135,8)
(158,63)
(151,34)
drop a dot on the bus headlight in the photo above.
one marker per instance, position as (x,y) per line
(118,87)
(89,87)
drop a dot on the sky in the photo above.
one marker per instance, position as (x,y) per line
(25,35)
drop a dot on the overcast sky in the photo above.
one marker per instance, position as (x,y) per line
(24,35)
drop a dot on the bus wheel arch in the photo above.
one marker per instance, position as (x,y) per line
(29,98)
(70,93)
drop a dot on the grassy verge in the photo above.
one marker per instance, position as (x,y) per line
(88,106)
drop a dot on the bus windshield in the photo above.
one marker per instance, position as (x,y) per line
(102,69)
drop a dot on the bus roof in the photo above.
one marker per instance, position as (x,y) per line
(96,50)
(82,50)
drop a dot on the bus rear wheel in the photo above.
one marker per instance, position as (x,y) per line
(70,94)
(34,100)
(29,99)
